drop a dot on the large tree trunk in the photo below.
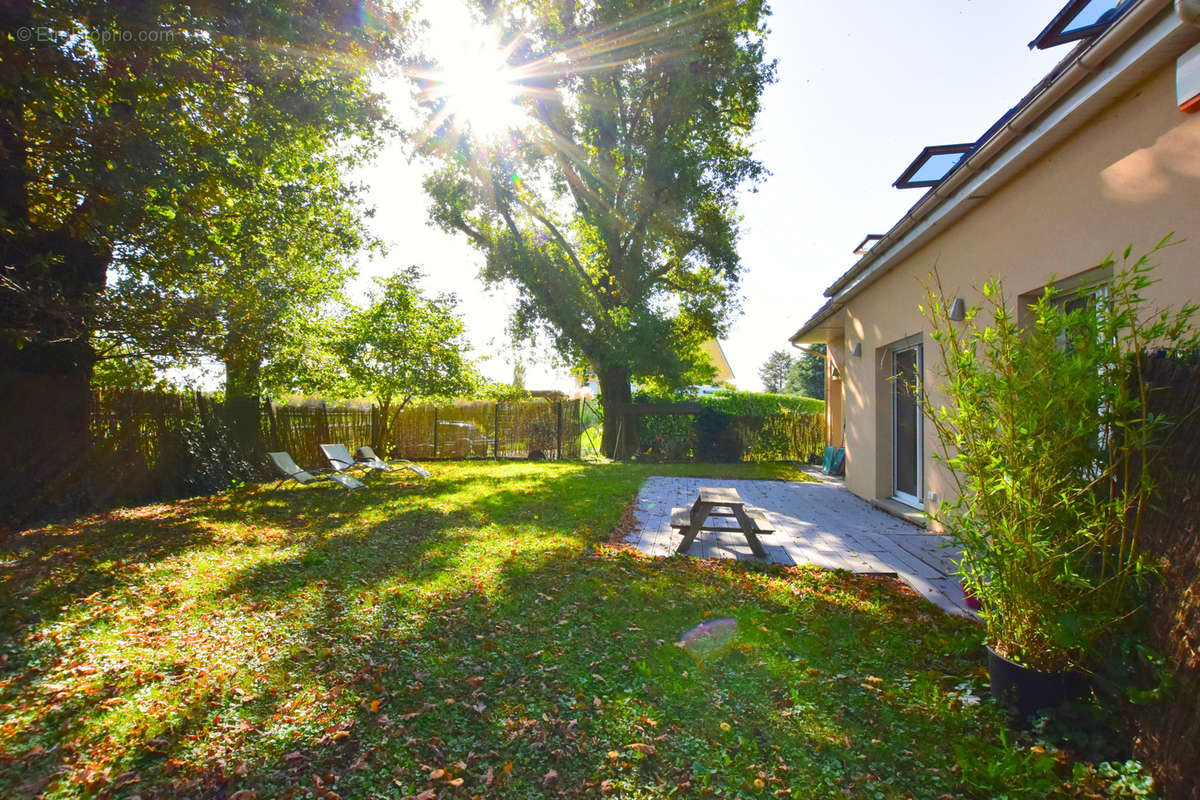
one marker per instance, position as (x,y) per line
(620,439)
(242,377)
(382,433)
(45,403)
(46,362)
(242,407)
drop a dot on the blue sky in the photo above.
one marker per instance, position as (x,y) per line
(862,87)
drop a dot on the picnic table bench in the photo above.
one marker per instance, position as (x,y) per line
(722,503)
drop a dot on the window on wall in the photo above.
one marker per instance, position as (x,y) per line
(1071,292)
(1079,299)
(1083,296)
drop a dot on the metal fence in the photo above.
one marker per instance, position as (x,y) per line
(151,445)
(154,445)
(536,429)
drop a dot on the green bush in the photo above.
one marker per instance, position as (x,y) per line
(717,441)
(667,437)
(1048,436)
(734,426)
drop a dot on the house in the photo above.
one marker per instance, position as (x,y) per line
(724,376)
(1103,153)
(587,385)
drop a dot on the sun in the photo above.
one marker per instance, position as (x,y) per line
(477,88)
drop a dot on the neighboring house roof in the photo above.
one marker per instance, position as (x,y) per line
(724,372)
(711,347)
(1096,72)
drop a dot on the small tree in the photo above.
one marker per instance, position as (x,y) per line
(807,375)
(774,371)
(1048,434)
(403,345)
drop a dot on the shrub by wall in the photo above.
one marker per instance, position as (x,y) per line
(1168,728)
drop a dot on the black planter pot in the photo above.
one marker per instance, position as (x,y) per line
(1026,690)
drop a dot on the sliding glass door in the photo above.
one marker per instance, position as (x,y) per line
(906,426)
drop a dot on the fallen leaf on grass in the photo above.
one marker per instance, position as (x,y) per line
(549,778)
(641,747)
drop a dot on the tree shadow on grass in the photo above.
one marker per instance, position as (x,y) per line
(554,666)
(46,569)
(468,622)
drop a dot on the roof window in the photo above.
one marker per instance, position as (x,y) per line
(1080,19)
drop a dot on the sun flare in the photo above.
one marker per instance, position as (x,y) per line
(472,78)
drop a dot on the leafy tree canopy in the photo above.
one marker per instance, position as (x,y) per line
(269,255)
(774,371)
(613,211)
(126,130)
(807,374)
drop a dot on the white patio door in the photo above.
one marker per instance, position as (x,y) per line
(906,427)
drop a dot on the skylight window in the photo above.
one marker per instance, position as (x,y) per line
(932,166)
(1079,20)
(867,243)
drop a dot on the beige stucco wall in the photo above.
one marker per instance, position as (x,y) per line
(1130,176)
(835,358)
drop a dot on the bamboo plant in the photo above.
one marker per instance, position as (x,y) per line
(1045,429)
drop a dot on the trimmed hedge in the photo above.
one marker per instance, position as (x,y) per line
(741,404)
(734,426)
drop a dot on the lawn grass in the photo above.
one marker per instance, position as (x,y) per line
(472,636)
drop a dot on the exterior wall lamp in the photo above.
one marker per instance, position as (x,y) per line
(857,350)
(958,310)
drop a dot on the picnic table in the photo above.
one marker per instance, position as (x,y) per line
(721,503)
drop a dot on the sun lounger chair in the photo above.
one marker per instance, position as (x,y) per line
(339,458)
(290,470)
(366,455)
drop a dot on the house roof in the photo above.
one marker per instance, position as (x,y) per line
(724,372)
(1095,72)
